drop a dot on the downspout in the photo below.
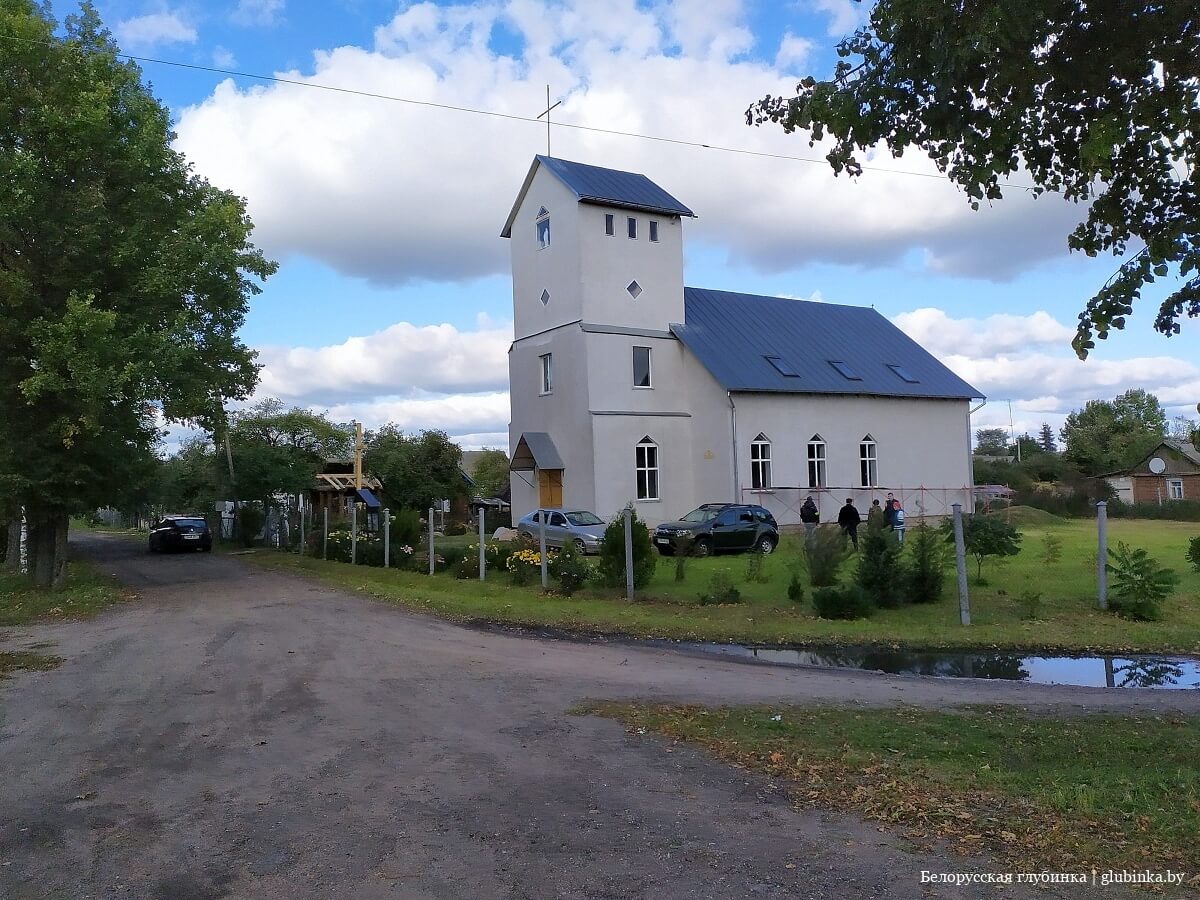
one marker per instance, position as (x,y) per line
(736,498)
(970,456)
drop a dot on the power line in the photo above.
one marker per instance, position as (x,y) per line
(507,116)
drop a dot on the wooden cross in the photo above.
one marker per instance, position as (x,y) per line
(546,113)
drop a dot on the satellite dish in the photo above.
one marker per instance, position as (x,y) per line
(1157,466)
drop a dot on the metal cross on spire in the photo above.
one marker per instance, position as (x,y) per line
(546,113)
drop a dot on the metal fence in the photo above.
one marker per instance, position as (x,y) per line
(918,502)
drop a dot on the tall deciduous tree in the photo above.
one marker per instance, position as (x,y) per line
(124,277)
(416,470)
(1107,435)
(490,473)
(991,442)
(1097,101)
(277,450)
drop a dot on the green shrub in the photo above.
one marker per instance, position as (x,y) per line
(406,528)
(1139,583)
(454,529)
(985,536)
(569,568)
(721,589)
(842,602)
(824,555)
(795,588)
(451,556)
(611,568)
(755,569)
(468,566)
(1030,603)
(680,567)
(1176,510)
(250,521)
(880,573)
(925,575)
(1052,546)
(524,566)
(1193,552)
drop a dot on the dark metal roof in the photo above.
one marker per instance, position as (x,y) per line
(735,336)
(535,449)
(595,184)
(368,498)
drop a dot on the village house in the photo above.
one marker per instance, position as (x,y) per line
(628,387)
(1171,471)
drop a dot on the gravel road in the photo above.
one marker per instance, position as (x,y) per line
(244,733)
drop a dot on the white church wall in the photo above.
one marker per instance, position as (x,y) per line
(554,268)
(616,439)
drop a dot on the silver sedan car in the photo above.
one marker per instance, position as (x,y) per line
(562,525)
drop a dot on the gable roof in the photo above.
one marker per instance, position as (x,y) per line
(595,184)
(1185,449)
(748,342)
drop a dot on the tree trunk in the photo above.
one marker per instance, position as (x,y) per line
(12,554)
(48,551)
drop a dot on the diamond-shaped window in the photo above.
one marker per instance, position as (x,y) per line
(635,289)
(545,297)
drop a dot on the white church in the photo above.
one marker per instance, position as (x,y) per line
(628,387)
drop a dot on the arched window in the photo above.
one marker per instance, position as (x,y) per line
(760,463)
(542,228)
(868,462)
(646,464)
(816,462)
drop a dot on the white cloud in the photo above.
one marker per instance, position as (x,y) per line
(793,53)
(457,414)
(397,193)
(844,15)
(943,336)
(223,58)
(258,12)
(153,30)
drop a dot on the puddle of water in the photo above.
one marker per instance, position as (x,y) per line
(1131,671)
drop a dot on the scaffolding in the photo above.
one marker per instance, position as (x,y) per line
(919,503)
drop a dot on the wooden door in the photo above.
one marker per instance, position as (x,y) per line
(549,487)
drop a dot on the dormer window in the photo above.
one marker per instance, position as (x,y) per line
(542,228)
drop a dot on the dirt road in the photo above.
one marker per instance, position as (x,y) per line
(242,733)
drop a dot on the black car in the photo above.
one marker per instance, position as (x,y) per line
(180,533)
(718,528)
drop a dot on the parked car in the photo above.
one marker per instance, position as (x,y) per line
(719,528)
(562,525)
(180,533)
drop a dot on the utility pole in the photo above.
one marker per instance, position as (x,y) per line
(358,454)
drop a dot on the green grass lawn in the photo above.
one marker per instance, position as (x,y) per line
(1068,619)
(86,593)
(1035,791)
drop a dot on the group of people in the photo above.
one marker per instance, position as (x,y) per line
(890,515)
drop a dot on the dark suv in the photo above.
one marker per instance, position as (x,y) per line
(718,528)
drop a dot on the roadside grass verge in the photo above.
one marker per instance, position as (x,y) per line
(1038,792)
(1067,620)
(86,593)
(12,661)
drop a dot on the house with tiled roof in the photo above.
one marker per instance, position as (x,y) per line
(1169,472)
(628,387)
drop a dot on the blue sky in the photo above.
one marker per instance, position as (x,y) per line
(385,216)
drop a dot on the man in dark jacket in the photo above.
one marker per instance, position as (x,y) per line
(849,519)
(810,516)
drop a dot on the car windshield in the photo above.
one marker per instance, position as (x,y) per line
(703,514)
(584,518)
(190,523)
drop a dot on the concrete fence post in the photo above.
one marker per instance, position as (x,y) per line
(432,551)
(628,514)
(542,548)
(960,562)
(302,535)
(482,548)
(387,538)
(325,534)
(1102,555)
(354,534)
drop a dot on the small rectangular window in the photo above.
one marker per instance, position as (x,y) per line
(646,464)
(844,370)
(632,226)
(543,232)
(1175,489)
(903,374)
(760,465)
(547,372)
(641,367)
(868,464)
(816,464)
(610,225)
(653,231)
(782,366)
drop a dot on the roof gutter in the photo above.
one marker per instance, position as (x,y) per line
(734,497)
